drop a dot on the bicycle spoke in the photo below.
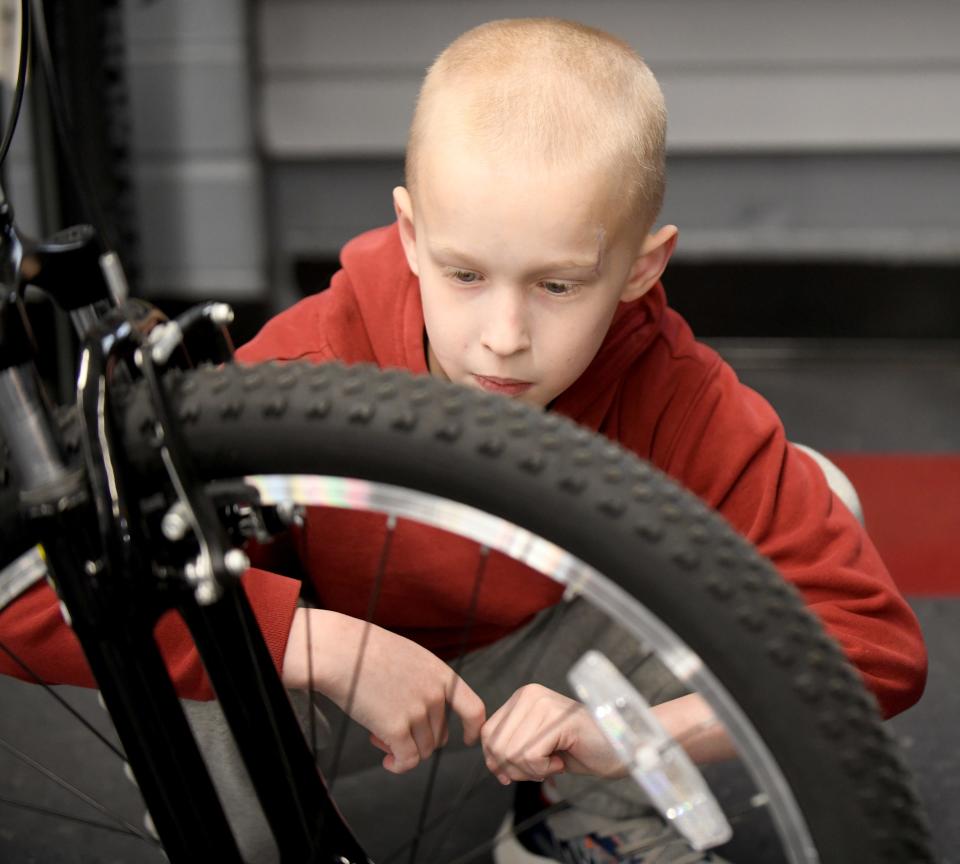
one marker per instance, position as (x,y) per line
(63,702)
(484,557)
(73,790)
(311,707)
(71,817)
(758,801)
(368,622)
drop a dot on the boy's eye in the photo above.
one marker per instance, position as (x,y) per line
(464,277)
(558,289)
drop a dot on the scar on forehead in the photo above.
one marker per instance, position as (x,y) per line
(601,237)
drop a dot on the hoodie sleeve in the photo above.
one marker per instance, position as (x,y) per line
(725,443)
(32,630)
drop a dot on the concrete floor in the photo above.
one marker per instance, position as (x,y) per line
(833,396)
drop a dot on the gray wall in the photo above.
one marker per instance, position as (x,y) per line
(197,172)
(797,130)
(338,77)
(268,131)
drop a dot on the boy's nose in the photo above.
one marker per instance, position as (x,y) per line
(505,331)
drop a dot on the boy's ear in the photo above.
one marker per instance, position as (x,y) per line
(403,207)
(650,263)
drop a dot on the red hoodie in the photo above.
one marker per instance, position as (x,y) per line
(651,387)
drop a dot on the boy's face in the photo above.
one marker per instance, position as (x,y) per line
(520,271)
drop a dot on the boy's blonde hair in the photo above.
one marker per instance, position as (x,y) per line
(554,91)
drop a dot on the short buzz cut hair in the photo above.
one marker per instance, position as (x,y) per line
(552,90)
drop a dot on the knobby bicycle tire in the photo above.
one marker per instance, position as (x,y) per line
(600,504)
(604,506)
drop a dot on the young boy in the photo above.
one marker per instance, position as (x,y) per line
(524,262)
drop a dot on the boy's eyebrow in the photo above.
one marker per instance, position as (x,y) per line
(566,264)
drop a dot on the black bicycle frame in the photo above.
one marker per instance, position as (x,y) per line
(114,589)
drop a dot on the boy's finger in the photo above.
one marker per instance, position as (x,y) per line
(541,767)
(379,743)
(438,724)
(498,730)
(488,738)
(469,708)
(556,765)
(404,755)
(423,737)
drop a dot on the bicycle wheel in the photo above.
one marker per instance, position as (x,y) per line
(816,775)
(645,553)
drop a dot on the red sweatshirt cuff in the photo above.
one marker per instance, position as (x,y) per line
(273,599)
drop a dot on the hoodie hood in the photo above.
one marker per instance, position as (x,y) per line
(385,295)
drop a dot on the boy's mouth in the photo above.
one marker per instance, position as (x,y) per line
(505,386)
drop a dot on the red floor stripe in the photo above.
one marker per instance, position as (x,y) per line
(911,506)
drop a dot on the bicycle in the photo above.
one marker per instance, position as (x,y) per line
(143,496)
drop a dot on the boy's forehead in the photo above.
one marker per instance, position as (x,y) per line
(462,194)
(540,254)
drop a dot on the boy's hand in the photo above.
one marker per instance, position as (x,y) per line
(401,691)
(539,732)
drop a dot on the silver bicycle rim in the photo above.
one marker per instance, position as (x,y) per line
(577,578)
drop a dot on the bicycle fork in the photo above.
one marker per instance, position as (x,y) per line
(112,597)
